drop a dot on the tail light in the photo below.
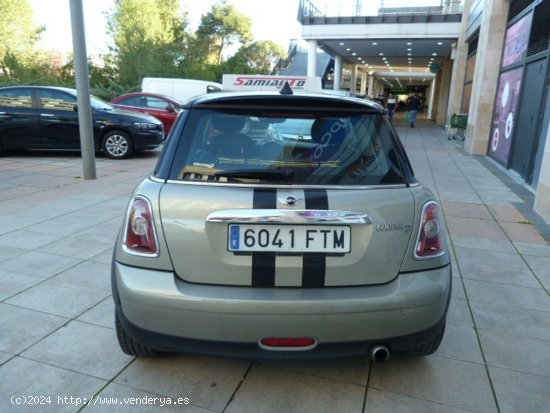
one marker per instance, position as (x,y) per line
(140,237)
(430,241)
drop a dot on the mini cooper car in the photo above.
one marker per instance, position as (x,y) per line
(243,244)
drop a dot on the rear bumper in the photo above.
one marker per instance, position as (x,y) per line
(158,309)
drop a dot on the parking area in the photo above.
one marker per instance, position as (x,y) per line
(58,349)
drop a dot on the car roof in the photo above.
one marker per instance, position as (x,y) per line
(62,89)
(273,99)
(157,95)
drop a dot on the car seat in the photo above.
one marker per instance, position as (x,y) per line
(230,142)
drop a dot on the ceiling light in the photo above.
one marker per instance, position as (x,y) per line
(359,58)
(348,49)
(374,43)
(431,58)
(434,54)
(409,50)
(341,44)
(409,43)
(439,43)
(409,54)
(381,54)
(354,54)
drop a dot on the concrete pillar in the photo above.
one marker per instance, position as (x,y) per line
(353,86)
(371,86)
(312,58)
(489,53)
(431,99)
(436,84)
(460,54)
(542,196)
(444,87)
(337,72)
(363,89)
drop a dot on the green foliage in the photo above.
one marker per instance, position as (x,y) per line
(255,58)
(149,38)
(220,28)
(18,32)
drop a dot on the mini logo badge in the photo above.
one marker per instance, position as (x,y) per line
(291,200)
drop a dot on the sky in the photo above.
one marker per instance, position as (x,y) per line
(269,23)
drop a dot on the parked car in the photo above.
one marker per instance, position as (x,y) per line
(39,117)
(162,107)
(250,247)
(177,88)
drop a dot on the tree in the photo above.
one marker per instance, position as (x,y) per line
(258,57)
(17,30)
(220,28)
(19,35)
(149,38)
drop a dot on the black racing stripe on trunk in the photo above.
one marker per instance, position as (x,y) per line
(314,264)
(263,269)
(313,273)
(263,263)
(264,198)
(316,198)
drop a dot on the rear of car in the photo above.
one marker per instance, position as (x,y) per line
(281,226)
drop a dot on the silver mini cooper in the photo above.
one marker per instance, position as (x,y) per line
(253,240)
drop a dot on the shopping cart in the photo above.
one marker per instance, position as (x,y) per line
(459,121)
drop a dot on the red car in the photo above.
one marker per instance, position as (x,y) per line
(162,107)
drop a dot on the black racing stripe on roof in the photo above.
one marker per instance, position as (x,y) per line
(263,263)
(315,264)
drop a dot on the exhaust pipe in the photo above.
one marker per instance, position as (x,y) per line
(379,353)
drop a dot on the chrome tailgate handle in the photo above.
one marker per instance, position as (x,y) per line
(282,216)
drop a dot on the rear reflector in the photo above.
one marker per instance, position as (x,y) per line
(302,343)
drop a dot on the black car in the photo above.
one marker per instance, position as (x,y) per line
(38,117)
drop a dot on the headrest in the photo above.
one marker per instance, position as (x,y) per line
(229,124)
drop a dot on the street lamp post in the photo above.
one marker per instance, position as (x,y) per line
(83,90)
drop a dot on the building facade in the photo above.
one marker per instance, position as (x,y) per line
(484,58)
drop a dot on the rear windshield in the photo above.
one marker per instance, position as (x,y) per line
(302,148)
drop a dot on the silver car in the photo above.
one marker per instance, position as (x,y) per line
(243,246)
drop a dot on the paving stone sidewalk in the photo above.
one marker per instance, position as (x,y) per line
(56,314)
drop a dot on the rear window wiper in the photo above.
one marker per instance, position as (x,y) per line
(285,175)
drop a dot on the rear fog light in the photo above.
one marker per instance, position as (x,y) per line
(302,343)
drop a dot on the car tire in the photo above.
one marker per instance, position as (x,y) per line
(117,145)
(131,347)
(426,348)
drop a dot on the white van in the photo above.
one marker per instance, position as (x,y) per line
(181,89)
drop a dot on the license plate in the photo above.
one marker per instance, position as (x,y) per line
(334,239)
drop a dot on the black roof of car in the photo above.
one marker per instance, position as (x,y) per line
(272,99)
(62,89)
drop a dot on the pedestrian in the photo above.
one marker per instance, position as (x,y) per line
(391,105)
(413,106)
